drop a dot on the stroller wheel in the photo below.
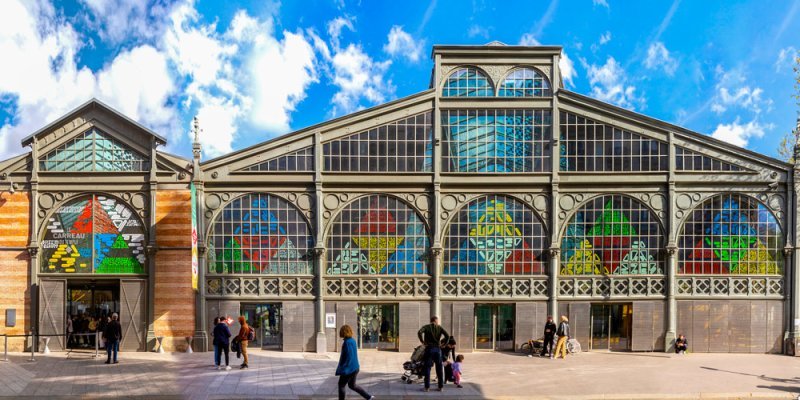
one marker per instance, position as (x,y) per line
(404,378)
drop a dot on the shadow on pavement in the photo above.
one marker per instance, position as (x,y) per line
(795,380)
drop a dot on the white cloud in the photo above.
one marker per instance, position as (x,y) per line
(400,43)
(786,58)
(478,31)
(335,27)
(658,57)
(567,68)
(528,40)
(739,134)
(357,75)
(116,21)
(603,3)
(610,83)
(734,91)
(605,38)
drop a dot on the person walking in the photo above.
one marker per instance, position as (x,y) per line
(243,337)
(113,335)
(221,343)
(563,336)
(549,333)
(348,367)
(432,336)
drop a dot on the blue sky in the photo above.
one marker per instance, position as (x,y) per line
(254,70)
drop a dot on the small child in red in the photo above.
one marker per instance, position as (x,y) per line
(457,370)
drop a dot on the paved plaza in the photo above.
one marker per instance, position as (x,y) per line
(486,375)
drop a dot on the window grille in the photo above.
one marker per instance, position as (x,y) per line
(688,160)
(93,151)
(495,235)
(300,161)
(496,141)
(731,234)
(260,234)
(525,82)
(467,82)
(400,146)
(589,146)
(612,235)
(94,234)
(378,235)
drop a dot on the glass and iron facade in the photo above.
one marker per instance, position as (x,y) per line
(492,199)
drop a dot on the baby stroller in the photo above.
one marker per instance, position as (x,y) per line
(413,368)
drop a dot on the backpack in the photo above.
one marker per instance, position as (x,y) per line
(251,334)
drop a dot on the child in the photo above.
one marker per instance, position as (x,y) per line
(457,369)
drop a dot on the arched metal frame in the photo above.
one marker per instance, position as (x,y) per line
(377,234)
(93,233)
(494,239)
(612,234)
(730,234)
(265,235)
(469,83)
(534,83)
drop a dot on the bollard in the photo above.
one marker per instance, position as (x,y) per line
(5,347)
(189,345)
(33,347)
(160,340)
(46,346)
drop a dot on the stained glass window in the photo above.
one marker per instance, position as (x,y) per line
(400,146)
(525,82)
(614,235)
(93,151)
(731,234)
(377,234)
(299,161)
(591,146)
(495,235)
(467,82)
(496,141)
(260,234)
(688,160)
(94,234)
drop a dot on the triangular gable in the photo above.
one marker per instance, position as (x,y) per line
(691,161)
(299,161)
(94,151)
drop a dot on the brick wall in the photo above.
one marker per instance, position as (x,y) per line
(14,264)
(174,298)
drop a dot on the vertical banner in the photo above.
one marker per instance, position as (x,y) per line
(194,236)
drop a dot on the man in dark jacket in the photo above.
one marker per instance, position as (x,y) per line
(432,336)
(549,333)
(222,343)
(112,335)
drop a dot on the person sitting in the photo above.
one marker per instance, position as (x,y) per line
(681,344)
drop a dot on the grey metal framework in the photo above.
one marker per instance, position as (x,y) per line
(533,150)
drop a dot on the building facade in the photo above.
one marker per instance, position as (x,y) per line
(492,199)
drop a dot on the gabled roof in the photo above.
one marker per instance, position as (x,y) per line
(93,103)
(666,126)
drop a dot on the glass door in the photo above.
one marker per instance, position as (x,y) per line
(611,326)
(266,319)
(89,304)
(599,327)
(484,327)
(494,326)
(377,326)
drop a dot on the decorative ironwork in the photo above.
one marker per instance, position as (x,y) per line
(612,287)
(377,286)
(249,286)
(730,286)
(496,287)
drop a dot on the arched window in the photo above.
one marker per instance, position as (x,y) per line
(612,234)
(731,234)
(495,235)
(467,82)
(377,234)
(94,234)
(525,82)
(260,234)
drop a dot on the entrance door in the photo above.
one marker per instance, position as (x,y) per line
(494,326)
(611,326)
(87,304)
(377,326)
(132,294)
(267,320)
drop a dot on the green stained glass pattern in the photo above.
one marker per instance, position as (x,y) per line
(93,151)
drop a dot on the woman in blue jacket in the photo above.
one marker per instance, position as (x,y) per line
(347,371)
(221,342)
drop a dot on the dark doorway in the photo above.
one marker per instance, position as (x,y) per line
(89,303)
(611,326)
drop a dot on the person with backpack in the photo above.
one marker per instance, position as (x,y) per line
(113,335)
(563,336)
(246,334)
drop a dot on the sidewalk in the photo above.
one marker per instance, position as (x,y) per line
(486,375)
